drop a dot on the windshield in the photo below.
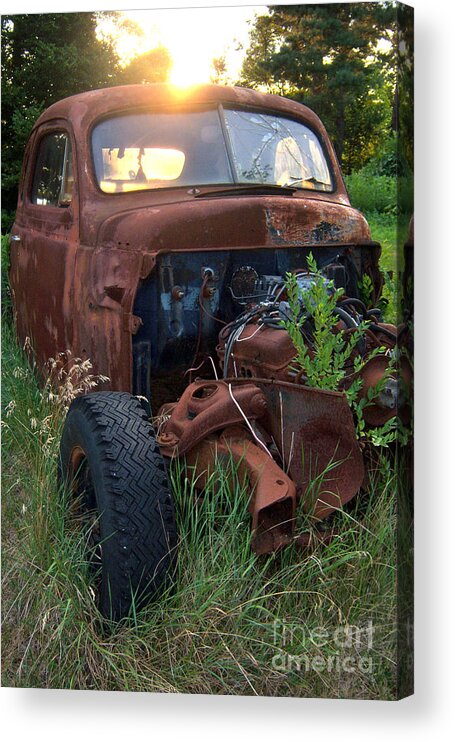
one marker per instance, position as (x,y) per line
(274,150)
(216,147)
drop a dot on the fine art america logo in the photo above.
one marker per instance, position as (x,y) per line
(344,649)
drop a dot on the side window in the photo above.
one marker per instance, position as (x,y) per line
(53,179)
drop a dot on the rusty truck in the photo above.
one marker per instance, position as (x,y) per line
(155,233)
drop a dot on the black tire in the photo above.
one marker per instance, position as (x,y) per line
(117,478)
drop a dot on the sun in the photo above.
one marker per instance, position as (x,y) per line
(186,72)
(215,32)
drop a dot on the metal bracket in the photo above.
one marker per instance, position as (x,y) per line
(131,323)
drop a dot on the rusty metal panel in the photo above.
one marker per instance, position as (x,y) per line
(272,493)
(312,430)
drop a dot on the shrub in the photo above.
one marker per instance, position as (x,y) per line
(388,160)
(372,192)
(380,193)
(334,363)
(7,220)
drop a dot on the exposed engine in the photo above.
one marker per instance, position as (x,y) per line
(184,303)
(256,344)
(194,295)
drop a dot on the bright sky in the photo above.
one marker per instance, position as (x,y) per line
(194,36)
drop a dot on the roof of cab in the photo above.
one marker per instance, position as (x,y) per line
(84,108)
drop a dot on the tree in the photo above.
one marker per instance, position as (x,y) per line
(219,74)
(258,66)
(152,66)
(405,84)
(45,57)
(327,56)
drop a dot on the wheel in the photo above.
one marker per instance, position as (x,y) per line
(119,490)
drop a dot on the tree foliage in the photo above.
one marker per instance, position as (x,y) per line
(327,56)
(152,66)
(219,74)
(45,57)
(146,65)
(405,86)
(49,56)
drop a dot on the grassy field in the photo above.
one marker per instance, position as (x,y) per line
(295,624)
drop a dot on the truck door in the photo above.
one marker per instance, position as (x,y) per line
(44,241)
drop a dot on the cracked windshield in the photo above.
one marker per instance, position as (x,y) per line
(143,151)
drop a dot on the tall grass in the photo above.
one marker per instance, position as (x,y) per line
(233,623)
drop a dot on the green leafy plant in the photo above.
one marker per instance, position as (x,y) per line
(365,286)
(324,365)
(333,354)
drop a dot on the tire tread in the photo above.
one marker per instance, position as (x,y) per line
(136,485)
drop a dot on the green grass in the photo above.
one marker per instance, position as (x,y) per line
(233,623)
(380,193)
(388,205)
(391,232)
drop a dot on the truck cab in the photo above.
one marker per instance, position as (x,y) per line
(147,214)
